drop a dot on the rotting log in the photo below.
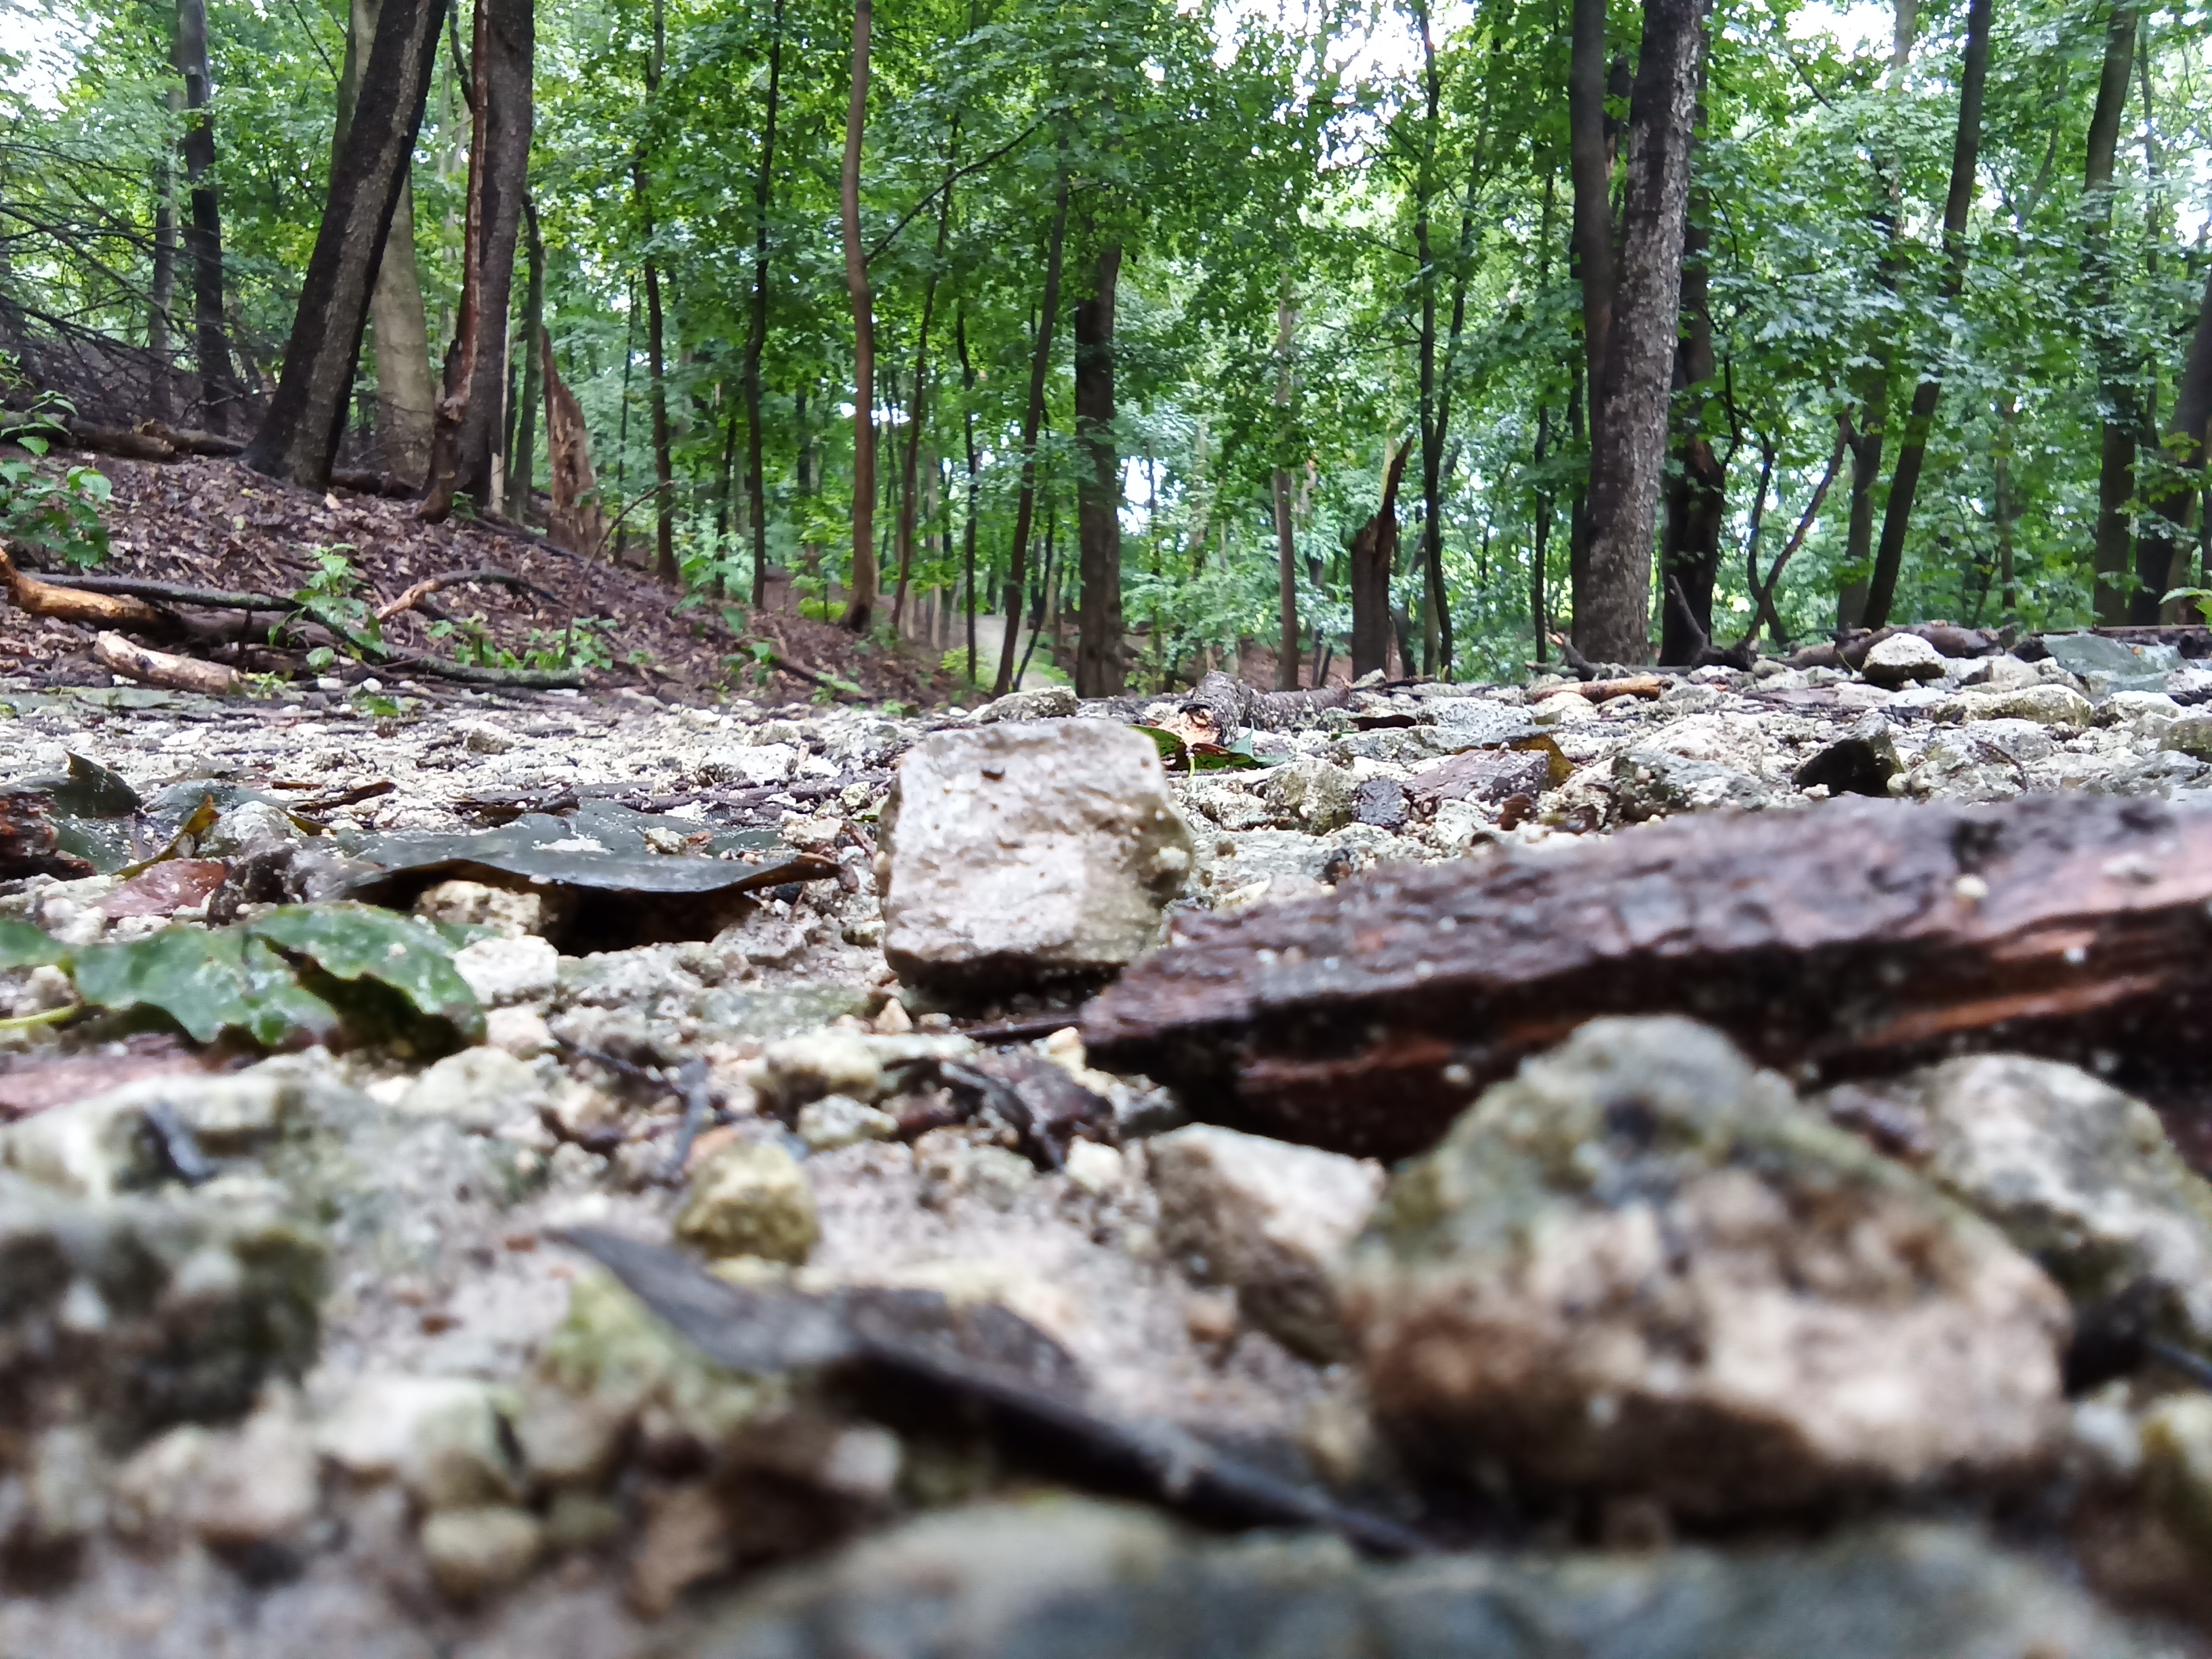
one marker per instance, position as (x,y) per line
(159,668)
(1852,936)
(69,603)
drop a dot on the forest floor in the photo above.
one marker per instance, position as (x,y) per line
(214,524)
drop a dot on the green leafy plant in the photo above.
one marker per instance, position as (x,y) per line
(301,973)
(58,516)
(334,596)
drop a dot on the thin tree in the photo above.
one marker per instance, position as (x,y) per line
(913,420)
(860,609)
(656,363)
(203,231)
(463,457)
(1628,442)
(1287,575)
(757,335)
(2122,404)
(1100,669)
(1904,483)
(300,434)
(968,436)
(522,443)
(162,298)
(1032,422)
(1697,486)
(406,398)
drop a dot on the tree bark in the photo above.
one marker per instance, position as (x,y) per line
(163,297)
(1373,555)
(1032,422)
(968,527)
(468,424)
(861,609)
(405,398)
(1590,169)
(2123,405)
(916,404)
(1100,670)
(1287,574)
(1629,419)
(576,521)
(1871,383)
(1897,514)
(664,472)
(2185,447)
(203,231)
(1696,490)
(756,336)
(300,434)
(522,450)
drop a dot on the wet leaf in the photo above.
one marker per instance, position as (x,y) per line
(22,946)
(358,941)
(166,885)
(195,977)
(89,791)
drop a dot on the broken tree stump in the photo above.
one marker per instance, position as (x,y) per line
(1853,937)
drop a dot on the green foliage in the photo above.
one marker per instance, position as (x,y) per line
(292,975)
(59,516)
(337,597)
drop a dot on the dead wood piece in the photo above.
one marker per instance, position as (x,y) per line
(67,603)
(1857,936)
(1228,705)
(175,673)
(205,599)
(1635,685)
(485,573)
(190,440)
(575,520)
(530,679)
(119,441)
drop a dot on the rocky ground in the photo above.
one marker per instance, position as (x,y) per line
(1655,1354)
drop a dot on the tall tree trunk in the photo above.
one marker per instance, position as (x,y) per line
(204,233)
(1032,422)
(2173,498)
(1904,483)
(464,446)
(1539,623)
(968,435)
(1629,420)
(300,434)
(2122,414)
(1287,574)
(861,608)
(1100,670)
(159,311)
(656,354)
(757,335)
(522,446)
(1870,384)
(1697,489)
(405,397)
(913,419)
(1591,168)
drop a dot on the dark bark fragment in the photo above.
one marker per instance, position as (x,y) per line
(1374,555)
(1854,937)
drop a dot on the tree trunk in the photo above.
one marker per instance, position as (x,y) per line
(522,449)
(163,298)
(861,607)
(2185,445)
(664,472)
(405,398)
(1629,418)
(1871,382)
(1287,574)
(914,421)
(1965,144)
(1032,422)
(1373,555)
(1590,169)
(2122,412)
(576,521)
(756,336)
(467,428)
(300,434)
(1539,623)
(968,436)
(1697,489)
(204,234)
(1100,670)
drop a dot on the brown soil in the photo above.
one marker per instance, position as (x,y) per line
(215,524)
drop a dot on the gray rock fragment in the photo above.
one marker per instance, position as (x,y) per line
(1860,762)
(1043,702)
(2106,664)
(1642,1266)
(1024,851)
(1902,660)
(1075,1580)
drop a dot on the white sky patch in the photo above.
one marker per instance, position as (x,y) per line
(43,42)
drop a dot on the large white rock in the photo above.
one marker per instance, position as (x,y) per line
(1901,658)
(1027,851)
(1267,1218)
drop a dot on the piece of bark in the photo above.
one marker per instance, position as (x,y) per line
(1226,705)
(1635,685)
(575,520)
(1852,936)
(42,598)
(159,668)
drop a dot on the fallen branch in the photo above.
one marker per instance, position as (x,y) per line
(159,668)
(68,602)
(429,585)
(1853,936)
(830,682)
(205,599)
(527,679)
(190,440)
(1634,686)
(1228,705)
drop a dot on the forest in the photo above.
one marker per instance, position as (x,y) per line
(1428,338)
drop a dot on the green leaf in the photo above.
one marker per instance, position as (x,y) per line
(357,941)
(281,1006)
(22,946)
(196,977)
